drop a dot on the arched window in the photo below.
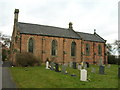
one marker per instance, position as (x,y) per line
(30,45)
(54,48)
(99,50)
(87,49)
(73,49)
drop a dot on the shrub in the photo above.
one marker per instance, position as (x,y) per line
(112,59)
(26,59)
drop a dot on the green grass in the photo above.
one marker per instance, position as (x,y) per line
(39,77)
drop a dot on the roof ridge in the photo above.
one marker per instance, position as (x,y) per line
(100,37)
(85,33)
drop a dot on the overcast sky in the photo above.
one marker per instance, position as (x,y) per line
(86,15)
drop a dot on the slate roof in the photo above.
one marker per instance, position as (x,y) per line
(27,28)
(91,37)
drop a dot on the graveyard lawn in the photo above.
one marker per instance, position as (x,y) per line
(39,77)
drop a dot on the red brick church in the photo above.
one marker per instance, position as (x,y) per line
(62,45)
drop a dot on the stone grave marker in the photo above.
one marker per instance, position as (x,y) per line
(108,66)
(101,69)
(79,66)
(71,64)
(93,70)
(47,65)
(100,62)
(85,66)
(63,70)
(83,75)
(52,65)
(66,64)
(56,67)
(74,65)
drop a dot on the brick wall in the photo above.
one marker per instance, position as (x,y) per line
(42,49)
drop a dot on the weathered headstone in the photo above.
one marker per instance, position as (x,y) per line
(87,64)
(100,62)
(101,69)
(63,69)
(56,67)
(71,64)
(47,64)
(74,65)
(83,75)
(108,66)
(79,66)
(93,70)
(52,65)
(66,64)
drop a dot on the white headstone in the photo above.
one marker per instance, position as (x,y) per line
(83,76)
(47,64)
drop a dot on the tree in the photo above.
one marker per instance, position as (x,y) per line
(111,50)
(5,39)
(5,44)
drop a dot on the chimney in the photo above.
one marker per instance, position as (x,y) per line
(94,31)
(16,15)
(70,25)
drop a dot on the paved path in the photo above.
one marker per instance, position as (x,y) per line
(7,81)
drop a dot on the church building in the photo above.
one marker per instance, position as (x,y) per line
(60,45)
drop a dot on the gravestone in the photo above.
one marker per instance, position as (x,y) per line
(87,64)
(108,66)
(93,70)
(56,67)
(63,69)
(52,65)
(74,65)
(66,64)
(101,69)
(47,64)
(71,64)
(79,66)
(83,75)
(100,62)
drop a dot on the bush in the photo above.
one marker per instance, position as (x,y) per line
(112,59)
(26,59)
